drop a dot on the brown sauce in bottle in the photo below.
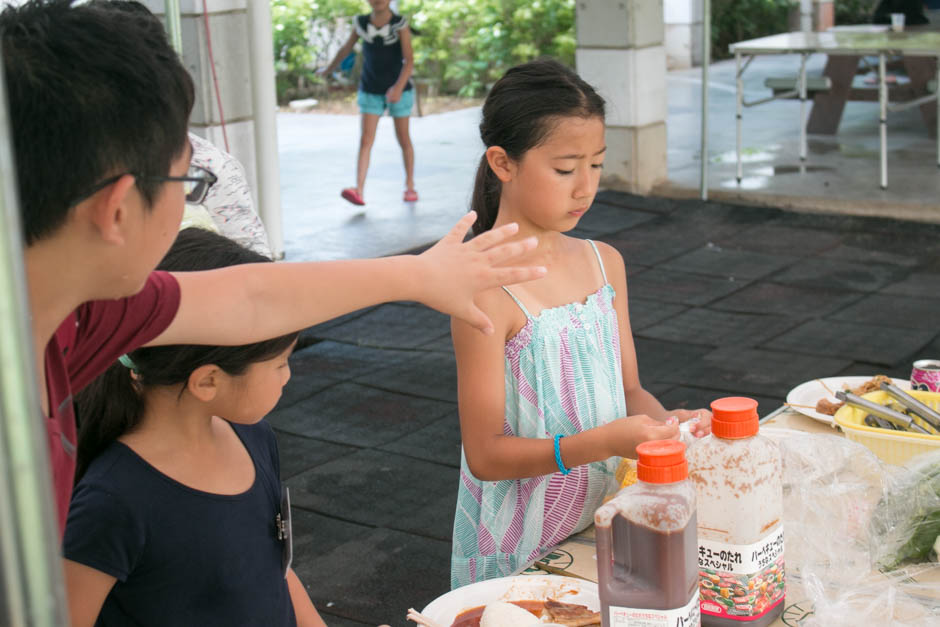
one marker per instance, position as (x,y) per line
(656,570)
(647,558)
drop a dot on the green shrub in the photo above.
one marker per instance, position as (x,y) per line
(854,11)
(462,45)
(465,45)
(303,31)
(739,20)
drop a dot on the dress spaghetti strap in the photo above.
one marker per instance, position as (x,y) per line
(599,261)
(518,302)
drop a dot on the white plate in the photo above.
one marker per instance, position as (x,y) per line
(810,392)
(445,609)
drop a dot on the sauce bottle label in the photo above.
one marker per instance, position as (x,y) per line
(742,581)
(687,616)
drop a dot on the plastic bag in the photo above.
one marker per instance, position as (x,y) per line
(833,491)
(906,523)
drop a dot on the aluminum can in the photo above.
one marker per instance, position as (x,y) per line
(925,376)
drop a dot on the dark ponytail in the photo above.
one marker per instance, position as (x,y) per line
(518,115)
(114,403)
(100,424)
(485,200)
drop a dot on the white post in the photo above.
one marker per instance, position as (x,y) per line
(806,16)
(706,61)
(264,103)
(883,106)
(30,563)
(173,28)
(803,106)
(739,109)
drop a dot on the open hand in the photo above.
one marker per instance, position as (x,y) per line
(452,271)
(627,433)
(700,420)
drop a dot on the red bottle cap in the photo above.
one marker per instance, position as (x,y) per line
(734,417)
(661,461)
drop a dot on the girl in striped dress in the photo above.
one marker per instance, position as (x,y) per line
(551,400)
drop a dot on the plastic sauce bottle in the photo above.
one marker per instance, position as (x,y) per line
(738,480)
(646,544)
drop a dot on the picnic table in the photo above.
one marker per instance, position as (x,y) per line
(840,70)
(920,50)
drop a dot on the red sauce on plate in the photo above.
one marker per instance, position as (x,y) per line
(471,617)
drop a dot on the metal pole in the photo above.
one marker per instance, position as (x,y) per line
(739,110)
(706,61)
(937,94)
(173,29)
(264,103)
(883,119)
(806,16)
(803,106)
(30,562)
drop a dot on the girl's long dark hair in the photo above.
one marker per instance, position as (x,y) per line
(518,115)
(113,403)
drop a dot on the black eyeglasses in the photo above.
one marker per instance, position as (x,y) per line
(196,183)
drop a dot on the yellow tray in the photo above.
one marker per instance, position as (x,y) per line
(894,447)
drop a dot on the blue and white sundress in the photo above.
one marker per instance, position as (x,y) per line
(563,376)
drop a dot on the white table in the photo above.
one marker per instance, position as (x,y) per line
(839,42)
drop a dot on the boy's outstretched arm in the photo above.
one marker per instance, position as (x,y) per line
(249,303)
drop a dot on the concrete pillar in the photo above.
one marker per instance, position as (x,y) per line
(229,33)
(683,35)
(620,52)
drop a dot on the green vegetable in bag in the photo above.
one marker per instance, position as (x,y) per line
(906,523)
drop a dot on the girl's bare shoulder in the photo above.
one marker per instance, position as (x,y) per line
(613,260)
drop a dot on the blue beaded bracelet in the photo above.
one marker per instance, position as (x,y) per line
(561,465)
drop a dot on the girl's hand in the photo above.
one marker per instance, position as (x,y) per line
(393,94)
(700,420)
(452,272)
(626,433)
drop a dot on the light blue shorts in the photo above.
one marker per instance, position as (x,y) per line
(377,103)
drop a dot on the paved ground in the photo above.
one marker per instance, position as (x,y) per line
(841,173)
(724,300)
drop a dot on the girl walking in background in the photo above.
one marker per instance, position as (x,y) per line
(177,515)
(387,64)
(551,400)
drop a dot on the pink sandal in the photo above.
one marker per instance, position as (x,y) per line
(411,195)
(352,196)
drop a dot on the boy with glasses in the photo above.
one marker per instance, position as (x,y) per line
(99,105)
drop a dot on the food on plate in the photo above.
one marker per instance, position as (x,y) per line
(829,408)
(570,614)
(503,614)
(825,406)
(872,385)
(528,614)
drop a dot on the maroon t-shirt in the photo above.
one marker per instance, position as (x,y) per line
(84,346)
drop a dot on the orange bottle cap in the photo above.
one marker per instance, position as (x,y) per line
(661,461)
(734,417)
